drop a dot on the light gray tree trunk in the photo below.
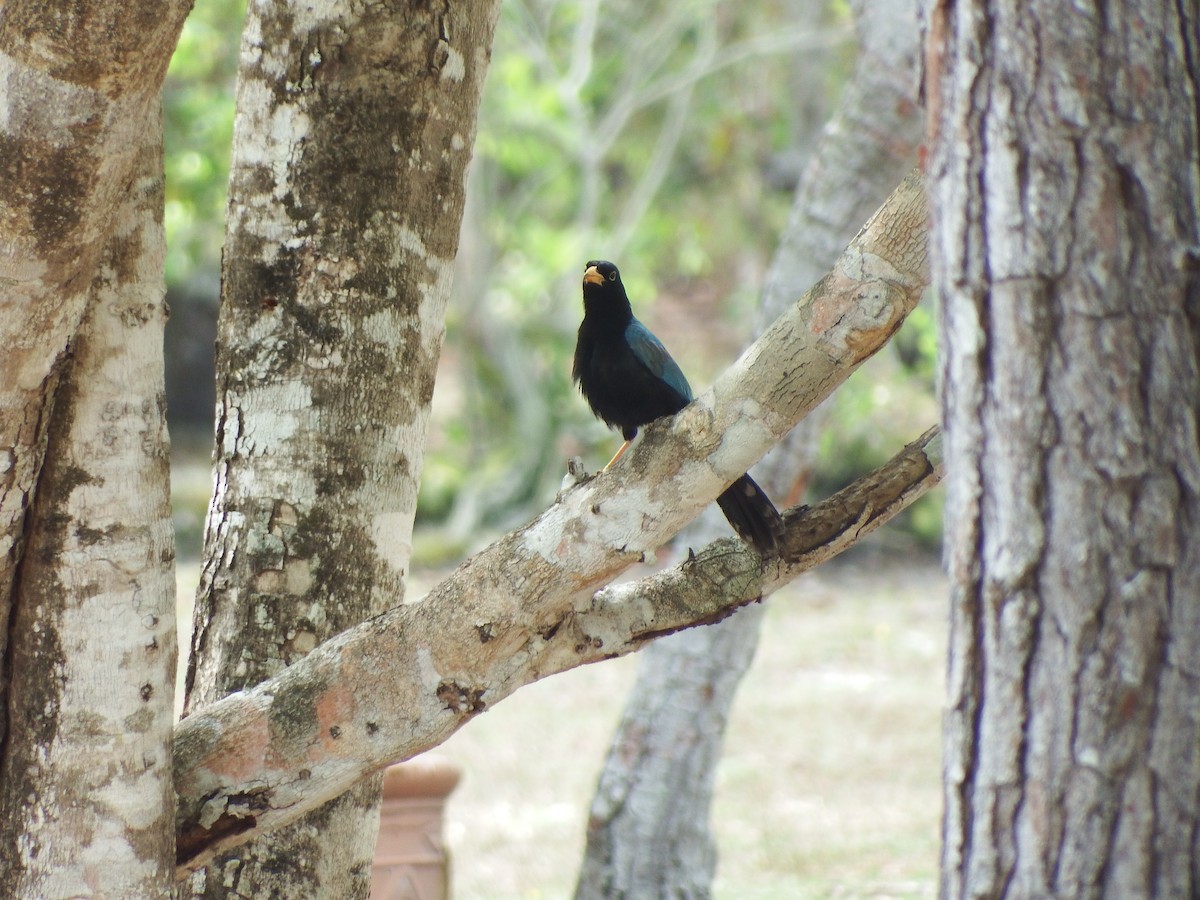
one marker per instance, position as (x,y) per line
(87,589)
(80,94)
(354,128)
(85,779)
(1066,189)
(648,829)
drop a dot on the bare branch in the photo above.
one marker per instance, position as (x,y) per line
(406,680)
(727,574)
(669,134)
(646,92)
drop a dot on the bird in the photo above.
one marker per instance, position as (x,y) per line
(629,379)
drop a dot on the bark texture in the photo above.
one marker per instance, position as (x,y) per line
(86,795)
(354,128)
(523,608)
(1066,181)
(80,86)
(648,827)
(236,777)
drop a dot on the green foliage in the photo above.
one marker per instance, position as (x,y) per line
(644,133)
(636,132)
(198,135)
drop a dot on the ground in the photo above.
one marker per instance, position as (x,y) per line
(830,784)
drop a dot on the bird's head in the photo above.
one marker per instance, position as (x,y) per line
(600,272)
(602,288)
(605,303)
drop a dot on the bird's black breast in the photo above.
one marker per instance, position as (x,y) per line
(618,386)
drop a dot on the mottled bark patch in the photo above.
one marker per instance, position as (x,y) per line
(294,712)
(467,701)
(51,182)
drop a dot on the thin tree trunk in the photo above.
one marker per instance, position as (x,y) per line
(648,826)
(86,795)
(1066,181)
(354,128)
(81,83)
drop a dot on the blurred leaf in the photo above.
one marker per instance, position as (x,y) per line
(576,158)
(198,136)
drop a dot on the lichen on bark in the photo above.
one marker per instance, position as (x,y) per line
(351,144)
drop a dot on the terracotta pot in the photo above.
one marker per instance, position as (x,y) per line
(410,856)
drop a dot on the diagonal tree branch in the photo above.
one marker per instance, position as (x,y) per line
(727,575)
(406,680)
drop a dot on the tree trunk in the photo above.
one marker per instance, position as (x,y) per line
(648,827)
(81,86)
(1066,185)
(86,586)
(86,795)
(353,132)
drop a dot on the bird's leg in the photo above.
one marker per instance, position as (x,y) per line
(612,462)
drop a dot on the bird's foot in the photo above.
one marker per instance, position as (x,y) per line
(612,462)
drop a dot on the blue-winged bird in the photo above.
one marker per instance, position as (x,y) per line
(629,380)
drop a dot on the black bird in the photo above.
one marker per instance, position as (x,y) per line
(629,380)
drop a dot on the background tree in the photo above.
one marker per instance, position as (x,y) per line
(648,826)
(1066,191)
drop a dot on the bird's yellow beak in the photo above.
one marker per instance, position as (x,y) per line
(591,276)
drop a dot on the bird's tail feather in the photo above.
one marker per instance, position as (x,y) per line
(752,515)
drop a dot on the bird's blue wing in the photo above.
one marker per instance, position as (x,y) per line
(654,356)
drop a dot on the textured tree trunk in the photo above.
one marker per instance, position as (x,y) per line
(354,128)
(648,831)
(86,796)
(648,827)
(86,584)
(1066,190)
(81,87)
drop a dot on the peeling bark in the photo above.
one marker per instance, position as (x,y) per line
(523,608)
(86,795)
(1067,188)
(355,124)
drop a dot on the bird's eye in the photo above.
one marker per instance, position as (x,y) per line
(612,276)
